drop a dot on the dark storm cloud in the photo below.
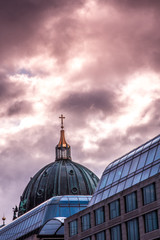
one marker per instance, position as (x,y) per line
(8,89)
(90,102)
(20,107)
(22,24)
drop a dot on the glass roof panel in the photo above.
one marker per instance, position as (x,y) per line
(126,172)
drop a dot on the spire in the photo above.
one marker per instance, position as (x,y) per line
(63,149)
(3,219)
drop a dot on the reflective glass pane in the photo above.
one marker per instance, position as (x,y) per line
(145,174)
(113,190)
(157,153)
(154,170)
(137,178)
(134,165)
(128,182)
(103,182)
(151,155)
(106,193)
(126,169)
(120,186)
(155,140)
(142,160)
(110,178)
(118,173)
(64,212)
(98,198)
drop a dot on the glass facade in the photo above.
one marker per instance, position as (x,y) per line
(73,228)
(133,229)
(64,206)
(86,222)
(99,215)
(114,209)
(136,166)
(100,236)
(149,194)
(131,202)
(87,238)
(116,233)
(151,221)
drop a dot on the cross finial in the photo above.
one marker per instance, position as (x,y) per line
(61,117)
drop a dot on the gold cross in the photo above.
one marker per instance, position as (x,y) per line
(61,117)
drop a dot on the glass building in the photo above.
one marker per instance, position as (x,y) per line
(126,203)
(45,218)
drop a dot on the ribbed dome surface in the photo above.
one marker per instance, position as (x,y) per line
(62,177)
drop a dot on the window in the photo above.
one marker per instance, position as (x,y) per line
(151,221)
(99,215)
(149,194)
(131,202)
(86,222)
(100,236)
(133,229)
(116,233)
(73,228)
(114,209)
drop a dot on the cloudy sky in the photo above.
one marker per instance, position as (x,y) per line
(95,61)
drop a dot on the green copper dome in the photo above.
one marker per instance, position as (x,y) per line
(62,177)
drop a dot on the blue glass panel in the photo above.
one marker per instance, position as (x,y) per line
(64,211)
(145,174)
(129,182)
(142,160)
(113,190)
(98,198)
(155,140)
(120,186)
(105,193)
(131,154)
(74,210)
(118,173)
(110,178)
(151,155)
(157,153)
(139,149)
(103,182)
(134,164)
(147,145)
(154,169)
(123,158)
(60,231)
(126,169)
(137,178)
(64,200)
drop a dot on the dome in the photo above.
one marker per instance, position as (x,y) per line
(61,177)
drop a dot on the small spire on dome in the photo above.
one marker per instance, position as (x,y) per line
(3,219)
(63,148)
